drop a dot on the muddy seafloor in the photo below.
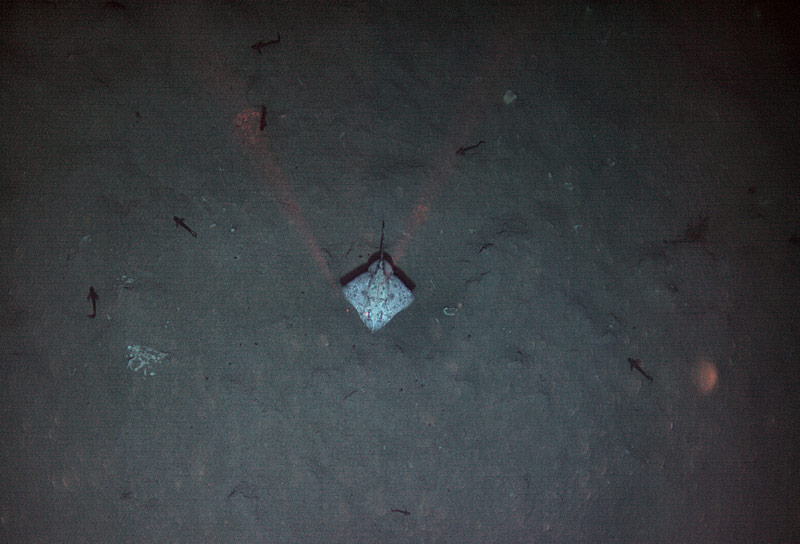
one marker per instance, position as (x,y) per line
(635,196)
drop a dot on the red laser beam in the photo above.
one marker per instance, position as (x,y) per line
(213,76)
(443,166)
(248,125)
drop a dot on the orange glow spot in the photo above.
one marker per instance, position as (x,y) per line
(705,377)
(421,212)
(246,127)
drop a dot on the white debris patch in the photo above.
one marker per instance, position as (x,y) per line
(145,359)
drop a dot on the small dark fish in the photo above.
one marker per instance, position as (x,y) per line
(261,43)
(263,122)
(463,150)
(93,296)
(179,223)
(635,365)
(695,232)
